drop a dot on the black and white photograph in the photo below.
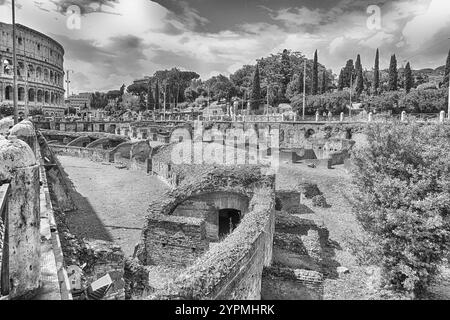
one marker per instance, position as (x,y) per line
(217,158)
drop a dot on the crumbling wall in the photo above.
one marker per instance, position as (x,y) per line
(232,269)
(174,241)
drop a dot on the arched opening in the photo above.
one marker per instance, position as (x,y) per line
(8,93)
(21,94)
(31,95)
(7,67)
(39,96)
(30,72)
(229,219)
(47,97)
(46,74)
(38,73)
(52,98)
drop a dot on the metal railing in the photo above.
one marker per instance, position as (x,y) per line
(4,242)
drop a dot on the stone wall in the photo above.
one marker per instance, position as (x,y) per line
(174,241)
(233,269)
(97,155)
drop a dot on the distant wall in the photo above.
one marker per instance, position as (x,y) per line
(97,155)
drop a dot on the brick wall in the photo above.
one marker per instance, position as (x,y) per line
(174,241)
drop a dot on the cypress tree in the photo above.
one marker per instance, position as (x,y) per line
(324,82)
(447,71)
(393,74)
(150,100)
(409,82)
(256,91)
(315,76)
(359,76)
(376,76)
(341,80)
(157,105)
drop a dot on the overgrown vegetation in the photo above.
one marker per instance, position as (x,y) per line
(402,178)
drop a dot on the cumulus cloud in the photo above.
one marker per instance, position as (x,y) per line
(138,37)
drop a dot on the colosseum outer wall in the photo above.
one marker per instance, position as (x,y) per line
(40,70)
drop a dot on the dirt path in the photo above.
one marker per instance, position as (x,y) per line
(112,203)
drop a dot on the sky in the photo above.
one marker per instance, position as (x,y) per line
(113,42)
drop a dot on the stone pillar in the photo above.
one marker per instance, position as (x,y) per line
(25,132)
(19,167)
(370,117)
(403,117)
(317,117)
(442,117)
(342,116)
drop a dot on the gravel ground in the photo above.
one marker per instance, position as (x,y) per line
(112,203)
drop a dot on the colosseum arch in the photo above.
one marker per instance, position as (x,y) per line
(20,69)
(8,93)
(40,95)
(52,98)
(46,74)
(7,67)
(47,97)
(52,76)
(38,73)
(31,95)
(30,73)
(21,94)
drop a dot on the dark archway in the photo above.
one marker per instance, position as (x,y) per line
(229,219)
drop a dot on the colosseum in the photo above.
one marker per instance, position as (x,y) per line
(40,72)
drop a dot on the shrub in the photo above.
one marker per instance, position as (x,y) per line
(402,200)
(310,190)
(320,201)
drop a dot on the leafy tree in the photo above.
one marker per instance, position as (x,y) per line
(220,87)
(393,74)
(376,76)
(157,96)
(315,76)
(402,201)
(286,71)
(256,91)
(324,86)
(409,82)
(99,100)
(347,75)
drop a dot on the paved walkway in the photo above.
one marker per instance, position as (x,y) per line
(112,203)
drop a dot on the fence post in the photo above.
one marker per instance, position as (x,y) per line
(370,116)
(403,117)
(317,117)
(442,117)
(19,166)
(342,117)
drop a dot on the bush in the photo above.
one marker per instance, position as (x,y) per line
(320,201)
(402,200)
(310,190)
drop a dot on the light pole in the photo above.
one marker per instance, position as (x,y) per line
(16,111)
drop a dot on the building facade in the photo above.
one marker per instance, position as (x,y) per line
(80,101)
(40,71)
